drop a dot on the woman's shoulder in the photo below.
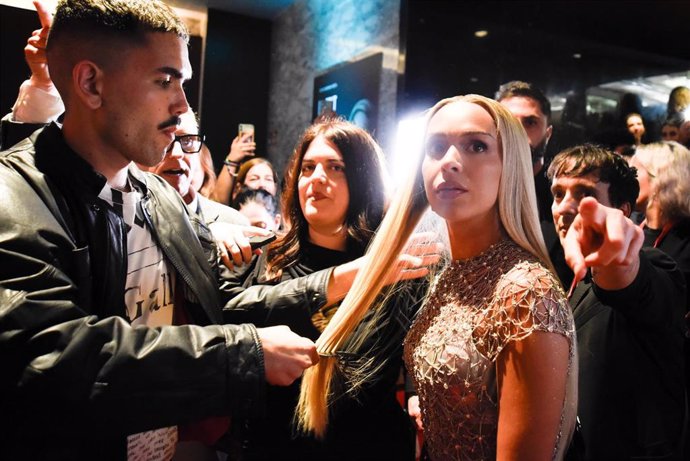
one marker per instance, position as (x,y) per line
(528,275)
(527,298)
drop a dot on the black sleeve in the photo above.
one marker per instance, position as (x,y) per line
(13,132)
(60,362)
(656,298)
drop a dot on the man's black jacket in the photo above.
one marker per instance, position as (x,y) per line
(75,377)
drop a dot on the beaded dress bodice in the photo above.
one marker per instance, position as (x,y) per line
(475,309)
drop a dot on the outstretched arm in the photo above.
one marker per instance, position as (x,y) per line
(38,101)
(602,238)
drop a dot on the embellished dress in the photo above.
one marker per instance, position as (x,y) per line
(476,307)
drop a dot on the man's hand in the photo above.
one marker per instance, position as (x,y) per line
(35,49)
(233,242)
(241,148)
(605,240)
(415,411)
(286,355)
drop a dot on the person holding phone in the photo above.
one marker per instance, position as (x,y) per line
(334,199)
(242,169)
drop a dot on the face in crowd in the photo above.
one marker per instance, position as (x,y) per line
(179,168)
(534,121)
(324,195)
(259,216)
(635,126)
(261,176)
(151,75)
(462,164)
(589,171)
(669,133)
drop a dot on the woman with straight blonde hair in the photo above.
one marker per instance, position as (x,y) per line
(496,331)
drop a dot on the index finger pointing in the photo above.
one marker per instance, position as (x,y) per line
(45,16)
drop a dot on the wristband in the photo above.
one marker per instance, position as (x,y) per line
(231,163)
(230,172)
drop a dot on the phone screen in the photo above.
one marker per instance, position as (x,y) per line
(246,130)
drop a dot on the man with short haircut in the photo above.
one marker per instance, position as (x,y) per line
(103,273)
(628,308)
(529,105)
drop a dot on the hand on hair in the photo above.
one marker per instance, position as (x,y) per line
(233,242)
(35,49)
(605,240)
(241,148)
(421,252)
(415,411)
(286,354)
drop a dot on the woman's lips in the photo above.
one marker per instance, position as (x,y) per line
(449,191)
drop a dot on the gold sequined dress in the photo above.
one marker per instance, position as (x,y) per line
(475,309)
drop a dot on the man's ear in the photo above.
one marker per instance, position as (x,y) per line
(88,83)
(626,208)
(549,132)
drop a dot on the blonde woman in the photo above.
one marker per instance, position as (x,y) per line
(649,160)
(492,353)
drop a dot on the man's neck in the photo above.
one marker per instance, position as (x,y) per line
(102,157)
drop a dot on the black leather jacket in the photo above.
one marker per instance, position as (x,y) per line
(75,377)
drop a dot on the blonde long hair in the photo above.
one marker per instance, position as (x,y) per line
(517,208)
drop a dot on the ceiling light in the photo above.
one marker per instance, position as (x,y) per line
(481,33)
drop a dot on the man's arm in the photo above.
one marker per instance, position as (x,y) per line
(56,352)
(38,102)
(303,296)
(625,277)
(603,239)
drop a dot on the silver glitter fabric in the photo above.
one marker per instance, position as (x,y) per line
(475,309)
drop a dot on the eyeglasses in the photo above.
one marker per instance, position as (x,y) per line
(190,143)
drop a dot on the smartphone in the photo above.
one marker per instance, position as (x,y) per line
(246,129)
(258,241)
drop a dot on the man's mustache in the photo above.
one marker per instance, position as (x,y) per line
(172,121)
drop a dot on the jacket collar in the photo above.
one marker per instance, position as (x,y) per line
(57,159)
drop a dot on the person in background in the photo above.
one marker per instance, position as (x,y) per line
(204,181)
(182,166)
(667,225)
(649,160)
(635,126)
(678,100)
(684,129)
(670,129)
(243,169)
(628,303)
(334,199)
(492,352)
(259,207)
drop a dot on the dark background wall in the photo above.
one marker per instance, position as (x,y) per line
(536,41)
(236,80)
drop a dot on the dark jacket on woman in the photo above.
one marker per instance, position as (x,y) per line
(75,377)
(367,425)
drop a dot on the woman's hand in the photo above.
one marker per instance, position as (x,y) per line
(233,242)
(421,252)
(241,148)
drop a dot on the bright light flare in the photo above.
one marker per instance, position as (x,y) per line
(408,149)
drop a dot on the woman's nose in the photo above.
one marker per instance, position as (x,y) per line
(320,174)
(451,160)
